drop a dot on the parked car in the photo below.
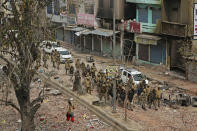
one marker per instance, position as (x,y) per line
(136,75)
(49,46)
(64,54)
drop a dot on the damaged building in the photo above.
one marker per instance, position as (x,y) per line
(154,31)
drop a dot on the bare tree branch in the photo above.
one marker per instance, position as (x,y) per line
(9,103)
(34,110)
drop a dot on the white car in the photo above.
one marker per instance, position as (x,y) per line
(49,46)
(64,54)
(134,73)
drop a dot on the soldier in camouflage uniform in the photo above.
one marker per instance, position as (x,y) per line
(57,58)
(67,66)
(77,81)
(152,98)
(83,68)
(158,97)
(98,80)
(71,72)
(108,85)
(148,90)
(45,58)
(88,69)
(93,70)
(53,58)
(103,90)
(88,84)
(77,64)
(143,99)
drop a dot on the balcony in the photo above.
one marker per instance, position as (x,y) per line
(173,29)
(145,1)
(62,19)
(105,13)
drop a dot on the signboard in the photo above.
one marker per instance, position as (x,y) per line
(71,20)
(85,19)
(135,27)
(132,26)
(112,70)
(195,20)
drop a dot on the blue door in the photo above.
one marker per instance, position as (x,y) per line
(157,53)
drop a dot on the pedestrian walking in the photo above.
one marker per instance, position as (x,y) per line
(70,112)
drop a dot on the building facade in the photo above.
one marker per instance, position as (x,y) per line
(150,46)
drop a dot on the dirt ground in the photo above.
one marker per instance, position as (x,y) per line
(166,118)
(52,115)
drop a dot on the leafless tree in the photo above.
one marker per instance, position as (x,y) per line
(23,32)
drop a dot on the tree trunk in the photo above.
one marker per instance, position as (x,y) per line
(27,117)
(27,122)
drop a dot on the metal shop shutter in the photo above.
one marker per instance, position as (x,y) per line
(143,52)
(156,53)
(77,41)
(67,36)
(82,41)
(59,34)
(88,42)
(97,43)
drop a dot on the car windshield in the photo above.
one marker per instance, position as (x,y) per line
(64,52)
(138,77)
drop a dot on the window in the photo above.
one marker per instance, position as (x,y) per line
(49,8)
(143,15)
(72,9)
(125,73)
(111,3)
(89,9)
(156,15)
(100,3)
(56,7)
(138,77)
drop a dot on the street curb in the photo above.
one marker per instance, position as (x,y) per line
(104,116)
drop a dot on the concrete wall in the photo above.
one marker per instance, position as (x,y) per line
(191,71)
(182,15)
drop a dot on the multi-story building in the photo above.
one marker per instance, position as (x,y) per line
(62,13)
(178,27)
(150,47)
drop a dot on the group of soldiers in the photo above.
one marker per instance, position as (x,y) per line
(55,59)
(149,94)
(143,94)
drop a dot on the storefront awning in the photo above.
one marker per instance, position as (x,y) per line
(103,32)
(147,39)
(77,29)
(84,32)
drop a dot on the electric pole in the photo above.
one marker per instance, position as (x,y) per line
(114,44)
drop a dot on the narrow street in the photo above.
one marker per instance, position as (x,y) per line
(165,118)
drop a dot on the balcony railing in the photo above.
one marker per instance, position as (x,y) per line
(174,29)
(145,1)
